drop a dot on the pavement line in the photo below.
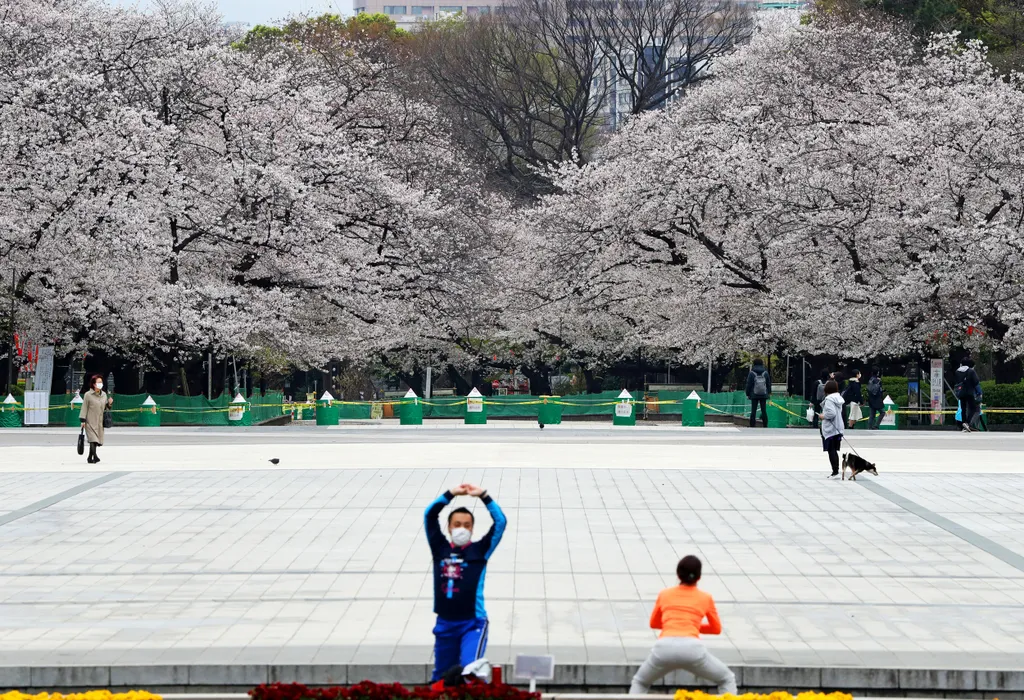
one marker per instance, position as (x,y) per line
(58,497)
(983,543)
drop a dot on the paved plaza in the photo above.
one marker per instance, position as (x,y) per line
(190,547)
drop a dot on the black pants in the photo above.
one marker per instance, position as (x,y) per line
(833,454)
(872,425)
(761,401)
(968,411)
(817,410)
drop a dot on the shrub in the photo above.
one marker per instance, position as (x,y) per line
(388,691)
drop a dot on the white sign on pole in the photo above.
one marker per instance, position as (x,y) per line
(937,393)
(37,406)
(623,410)
(474,405)
(534,668)
(44,370)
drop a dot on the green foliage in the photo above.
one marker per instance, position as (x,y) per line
(327,27)
(999,24)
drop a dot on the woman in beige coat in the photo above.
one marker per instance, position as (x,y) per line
(94,403)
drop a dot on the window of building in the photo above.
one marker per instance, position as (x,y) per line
(453,9)
(423,10)
(478,10)
(360,9)
(394,9)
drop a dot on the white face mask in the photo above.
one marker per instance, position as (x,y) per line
(99,386)
(461,536)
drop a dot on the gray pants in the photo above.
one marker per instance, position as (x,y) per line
(687,654)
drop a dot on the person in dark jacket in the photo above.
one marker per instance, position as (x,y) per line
(876,399)
(759,389)
(853,398)
(819,394)
(967,383)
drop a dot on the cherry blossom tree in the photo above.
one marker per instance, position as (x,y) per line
(833,190)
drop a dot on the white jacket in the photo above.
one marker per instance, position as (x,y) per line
(832,410)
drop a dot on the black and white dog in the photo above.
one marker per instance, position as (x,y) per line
(857,464)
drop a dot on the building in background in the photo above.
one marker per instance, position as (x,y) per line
(408,16)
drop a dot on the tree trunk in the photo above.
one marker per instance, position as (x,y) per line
(413,380)
(593,383)
(538,375)
(462,387)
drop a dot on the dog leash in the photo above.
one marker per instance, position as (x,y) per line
(850,445)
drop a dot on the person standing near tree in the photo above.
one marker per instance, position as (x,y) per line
(876,400)
(819,395)
(853,396)
(94,403)
(459,568)
(967,385)
(759,388)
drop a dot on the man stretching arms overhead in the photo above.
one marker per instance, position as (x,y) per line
(460,565)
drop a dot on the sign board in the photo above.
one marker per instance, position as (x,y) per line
(937,393)
(376,411)
(44,370)
(889,417)
(236,411)
(623,410)
(474,405)
(534,668)
(37,405)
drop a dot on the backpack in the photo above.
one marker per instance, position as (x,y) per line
(958,388)
(821,391)
(760,384)
(874,388)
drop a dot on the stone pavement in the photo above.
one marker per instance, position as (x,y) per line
(178,558)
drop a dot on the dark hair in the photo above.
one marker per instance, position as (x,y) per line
(92,380)
(831,387)
(461,510)
(875,372)
(688,570)
(855,374)
(824,375)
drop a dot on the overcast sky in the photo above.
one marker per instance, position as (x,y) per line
(267,11)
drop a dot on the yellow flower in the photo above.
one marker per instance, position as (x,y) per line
(90,695)
(777,695)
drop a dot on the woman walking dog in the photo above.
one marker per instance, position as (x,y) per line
(832,425)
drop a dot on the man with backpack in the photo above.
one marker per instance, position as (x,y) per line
(966,390)
(876,398)
(759,388)
(819,395)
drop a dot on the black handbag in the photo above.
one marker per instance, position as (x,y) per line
(81,441)
(108,418)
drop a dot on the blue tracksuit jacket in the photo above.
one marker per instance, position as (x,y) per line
(459,572)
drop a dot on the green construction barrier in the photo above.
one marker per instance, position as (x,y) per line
(10,413)
(777,418)
(549,413)
(327,412)
(73,412)
(476,409)
(410,413)
(624,411)
(693,412)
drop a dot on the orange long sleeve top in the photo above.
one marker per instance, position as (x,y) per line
(680,611)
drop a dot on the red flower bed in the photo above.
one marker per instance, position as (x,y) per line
(388,691)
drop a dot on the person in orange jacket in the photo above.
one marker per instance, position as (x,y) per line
(679,613)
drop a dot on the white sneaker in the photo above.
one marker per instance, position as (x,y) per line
(833,476)
(967,428)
